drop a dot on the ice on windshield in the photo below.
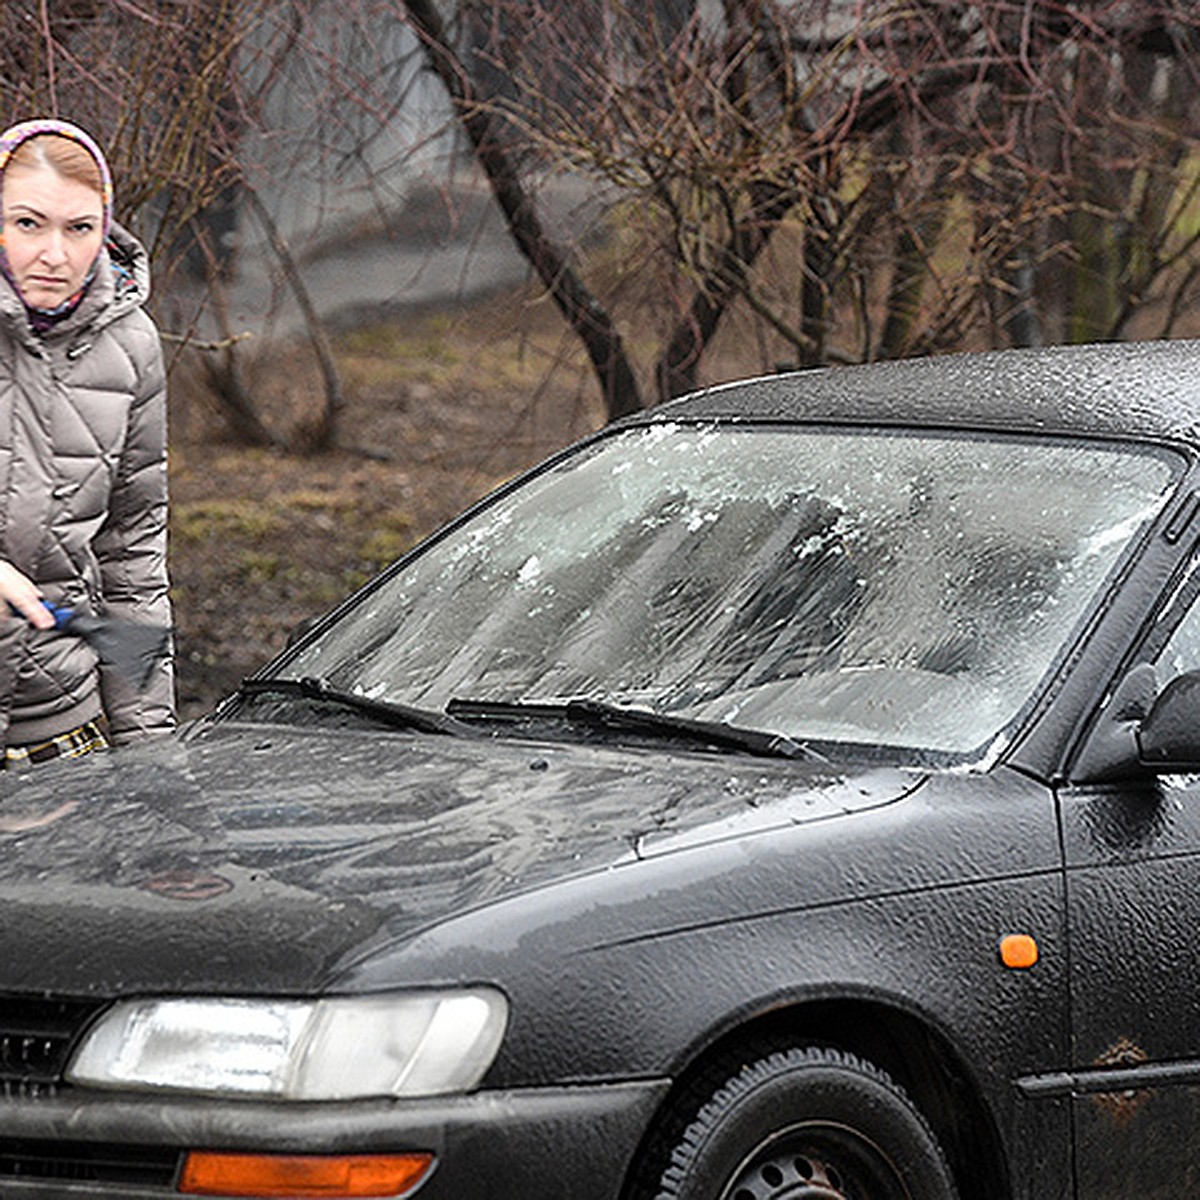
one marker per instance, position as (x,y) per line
(828,585)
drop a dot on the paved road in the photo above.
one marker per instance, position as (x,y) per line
(429,257)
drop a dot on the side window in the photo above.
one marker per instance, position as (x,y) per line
(1182,651)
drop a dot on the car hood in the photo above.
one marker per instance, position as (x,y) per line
(258,859)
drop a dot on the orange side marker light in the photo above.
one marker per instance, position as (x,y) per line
(1018,951)
(302,1176)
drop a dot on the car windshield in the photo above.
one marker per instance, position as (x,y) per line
(876,588)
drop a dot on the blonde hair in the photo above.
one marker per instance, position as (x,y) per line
(65,157)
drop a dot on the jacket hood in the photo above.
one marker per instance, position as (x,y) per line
(261,859)
(125,264)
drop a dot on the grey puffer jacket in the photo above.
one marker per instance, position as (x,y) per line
(83,498)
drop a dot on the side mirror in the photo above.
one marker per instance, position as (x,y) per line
(1170,733)
(1111,750)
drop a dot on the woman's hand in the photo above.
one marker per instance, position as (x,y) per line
(21,592)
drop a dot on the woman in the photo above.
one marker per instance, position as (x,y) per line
(83,492)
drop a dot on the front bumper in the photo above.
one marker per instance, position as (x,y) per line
(573,1143)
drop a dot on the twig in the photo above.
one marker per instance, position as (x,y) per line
(186,339)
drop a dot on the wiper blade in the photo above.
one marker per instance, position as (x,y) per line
(719,733)
(598,714)
(404,716)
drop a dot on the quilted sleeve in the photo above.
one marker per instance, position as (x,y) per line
(131,547)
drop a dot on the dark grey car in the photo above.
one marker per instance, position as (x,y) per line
(787,793)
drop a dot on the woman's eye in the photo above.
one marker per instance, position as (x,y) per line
(82,227)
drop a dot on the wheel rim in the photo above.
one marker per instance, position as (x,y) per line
(816,1161)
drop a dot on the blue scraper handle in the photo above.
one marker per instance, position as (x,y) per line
(59,612)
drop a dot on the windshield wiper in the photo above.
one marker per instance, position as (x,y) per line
(720,733)
(403,716)
(598,714)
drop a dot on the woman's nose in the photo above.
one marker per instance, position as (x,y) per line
(53,247)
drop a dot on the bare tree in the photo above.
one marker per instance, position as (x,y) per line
(148,79)
(846,178)
(1070,153)
(945,174)
(499,157)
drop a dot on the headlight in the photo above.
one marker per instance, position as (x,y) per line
(402,1044)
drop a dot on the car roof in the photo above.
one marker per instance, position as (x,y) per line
(1145,390)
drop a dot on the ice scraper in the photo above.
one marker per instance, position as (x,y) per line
(126,646)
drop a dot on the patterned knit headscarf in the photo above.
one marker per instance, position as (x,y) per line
(13,137)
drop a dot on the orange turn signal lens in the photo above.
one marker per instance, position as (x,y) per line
(1018,951)
(301,1176)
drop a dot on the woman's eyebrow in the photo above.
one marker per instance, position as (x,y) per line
(21,206)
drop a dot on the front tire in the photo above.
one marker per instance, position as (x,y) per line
(803,1124)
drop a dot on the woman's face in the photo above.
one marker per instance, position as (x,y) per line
(53,228)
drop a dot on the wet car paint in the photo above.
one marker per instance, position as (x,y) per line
(215,852)
(658,864)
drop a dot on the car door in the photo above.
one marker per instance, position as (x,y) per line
(1132,852)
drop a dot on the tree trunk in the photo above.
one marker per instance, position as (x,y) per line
(323,435)
(582,310)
